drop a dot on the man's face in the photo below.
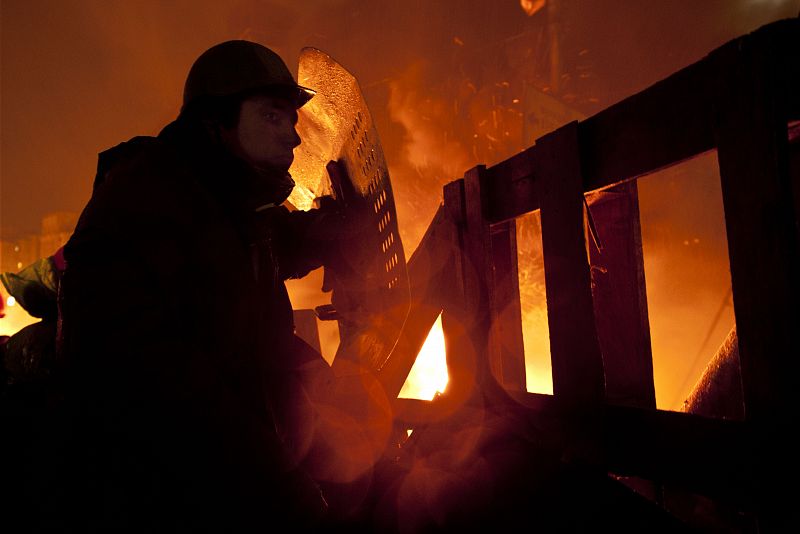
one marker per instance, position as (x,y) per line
(265,136)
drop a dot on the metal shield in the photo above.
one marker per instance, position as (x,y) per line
(371,293)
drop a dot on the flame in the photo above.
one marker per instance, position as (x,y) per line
(428,376)
(531,7)
(16,318)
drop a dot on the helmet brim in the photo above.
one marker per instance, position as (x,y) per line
(303,95)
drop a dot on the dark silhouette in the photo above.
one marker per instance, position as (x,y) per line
(176,340)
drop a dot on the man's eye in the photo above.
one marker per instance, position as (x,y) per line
(271,116)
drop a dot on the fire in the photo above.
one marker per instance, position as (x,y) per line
(16,318)
(448,123)
(683,230)
(428,376)
(531,7)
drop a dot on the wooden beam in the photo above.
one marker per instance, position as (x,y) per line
(711,457)
(620,296)
(574,349)
(511,190)
(506,349)
(456,305)
(761,224)
(483,320)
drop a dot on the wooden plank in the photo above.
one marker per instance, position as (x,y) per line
(711,457)
(456,320)
(620,296)
(510,190)
(794,172)
(506,348)
(482,322)
(667,123)
(662,125)
(762,230)
(762,235)
(574,349)
(497,318)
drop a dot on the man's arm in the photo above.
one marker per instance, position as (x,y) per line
(148,352)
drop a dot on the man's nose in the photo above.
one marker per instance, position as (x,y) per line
(294,138)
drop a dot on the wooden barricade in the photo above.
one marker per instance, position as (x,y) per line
(739,101)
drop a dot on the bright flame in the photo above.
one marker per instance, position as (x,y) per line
(16,318)
(429,374)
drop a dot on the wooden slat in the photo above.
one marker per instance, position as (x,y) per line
(794,172)
(620,296)
(457,303)
(506,348)
(576,360)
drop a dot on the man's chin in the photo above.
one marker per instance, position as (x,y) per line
(284,164)
(276,167)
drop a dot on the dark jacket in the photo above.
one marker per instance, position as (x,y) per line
(177,331)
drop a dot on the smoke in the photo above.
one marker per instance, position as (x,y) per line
(427,147)
(428,156)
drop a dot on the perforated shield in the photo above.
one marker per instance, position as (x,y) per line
(371,295)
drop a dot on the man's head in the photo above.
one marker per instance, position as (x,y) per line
(246,92)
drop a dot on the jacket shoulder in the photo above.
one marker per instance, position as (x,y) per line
(126,150)
(140,150)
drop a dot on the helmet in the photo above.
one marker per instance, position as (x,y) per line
(234,67)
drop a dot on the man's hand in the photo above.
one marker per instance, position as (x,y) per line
(342,185)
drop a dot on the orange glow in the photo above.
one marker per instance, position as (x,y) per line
(16,318)
(429,374)
(444,100)
(535,330)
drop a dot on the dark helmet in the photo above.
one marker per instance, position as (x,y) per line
(235,67)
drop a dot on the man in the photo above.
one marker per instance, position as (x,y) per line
(177,332)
